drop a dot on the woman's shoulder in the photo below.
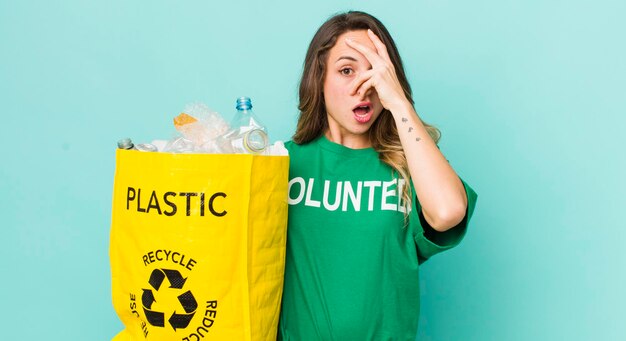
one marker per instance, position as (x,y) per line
(290,145)
(303,153)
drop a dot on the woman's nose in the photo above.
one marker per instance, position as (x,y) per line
(365,94)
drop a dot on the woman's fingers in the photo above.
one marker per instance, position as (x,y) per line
(380,46)
(369,54)
(359,80)
(374,57)
(381,77)
(363,89)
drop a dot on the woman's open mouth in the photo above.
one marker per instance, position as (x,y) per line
(363,112)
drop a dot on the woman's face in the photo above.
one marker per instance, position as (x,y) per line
(349,116)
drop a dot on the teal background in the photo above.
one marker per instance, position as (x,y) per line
(529,96)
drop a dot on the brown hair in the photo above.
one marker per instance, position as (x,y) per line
(313,121)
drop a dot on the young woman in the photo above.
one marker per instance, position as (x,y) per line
(370,194)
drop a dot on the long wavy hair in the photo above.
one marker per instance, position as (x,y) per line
(313,120)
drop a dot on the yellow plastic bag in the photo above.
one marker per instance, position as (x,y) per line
(197,245)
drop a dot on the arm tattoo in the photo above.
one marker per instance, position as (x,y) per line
(404,120)
(410,129)
(417,139)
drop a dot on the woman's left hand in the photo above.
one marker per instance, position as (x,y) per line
(382,76)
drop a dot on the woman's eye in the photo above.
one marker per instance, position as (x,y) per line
(346,71)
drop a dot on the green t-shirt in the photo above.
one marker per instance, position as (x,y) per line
(352,266)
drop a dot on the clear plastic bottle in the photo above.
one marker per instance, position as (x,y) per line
(127,143)
(247,134)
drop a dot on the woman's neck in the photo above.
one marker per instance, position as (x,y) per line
(348,140)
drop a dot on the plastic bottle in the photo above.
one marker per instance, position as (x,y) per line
(146,147)
(127,143)
(247,134)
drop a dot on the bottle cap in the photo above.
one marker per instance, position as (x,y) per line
(244,103)
(125,143)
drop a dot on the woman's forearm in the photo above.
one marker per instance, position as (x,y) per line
(437,186)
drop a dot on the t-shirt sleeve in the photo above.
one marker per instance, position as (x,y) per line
(289,146)
(429,241)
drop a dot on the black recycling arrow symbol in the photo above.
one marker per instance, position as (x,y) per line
(188,302)
(155,318)
(173,276)
(190,305)
(178,321)
(147,298)
(176,279)
(156,278)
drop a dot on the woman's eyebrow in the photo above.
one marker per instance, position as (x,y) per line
(346,57)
